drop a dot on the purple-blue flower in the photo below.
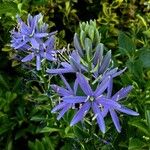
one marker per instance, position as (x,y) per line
(46,50)
(91,99)
(33,39)
(63,107)
(95,100)
(29,34)
(122,93)
(74,65)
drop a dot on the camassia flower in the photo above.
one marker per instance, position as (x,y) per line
(94,100)
(72,66)
(29,34)
(46,50)
(122,93)
(63,107)
(33,39)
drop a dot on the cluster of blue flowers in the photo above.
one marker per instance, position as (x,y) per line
(93,70)
(33,39)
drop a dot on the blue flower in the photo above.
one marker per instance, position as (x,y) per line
(33,39)
(122,93)
(72,66)
(68,91)
(46,50)
(90,100)
(95,100)
(29,34)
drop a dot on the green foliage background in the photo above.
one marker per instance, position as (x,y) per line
(25,118)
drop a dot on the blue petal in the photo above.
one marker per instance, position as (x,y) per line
(28,57)
(66,65)
(38,62)
(58,107)
(127,111)
(20,44)
(102,87)
(108,102)
(122,93)
(40,35)
(66,84)
(48,56)
(77,44)
(84,84)
(99,117)
(61,91)
(75,56)
(49,43)
(98,56)
(63,111)
(75,86)
(34,43)
(33,24)
(109,88)
(118,73)
(59,71)
(81,113)
(115,119)
(74,99)
(105,62)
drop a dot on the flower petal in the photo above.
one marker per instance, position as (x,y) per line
(115,119)
(58,107)
(119,72)
(49,57)
(40,35)
(59,71)
(66,84)
(20,44)
(74,99)
(102,87)
(28,57)
(63,111)
(61,91)
(127,111)
(109,88)
(66,65)
(122,93)
(105,62)
(98,56)
(77,44)
(34,43)
(81,113)
(84,84)
(99,117)
(108,102)
(38,62)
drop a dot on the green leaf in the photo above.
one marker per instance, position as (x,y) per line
(126,44)
(9,145)
(82,38)
(50,130)
(80,133)
(147,33)
(136,68)
(145,58)
(135,144)
(39,145)
(3,82)
(147,116)
(141,126)
(8,7)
